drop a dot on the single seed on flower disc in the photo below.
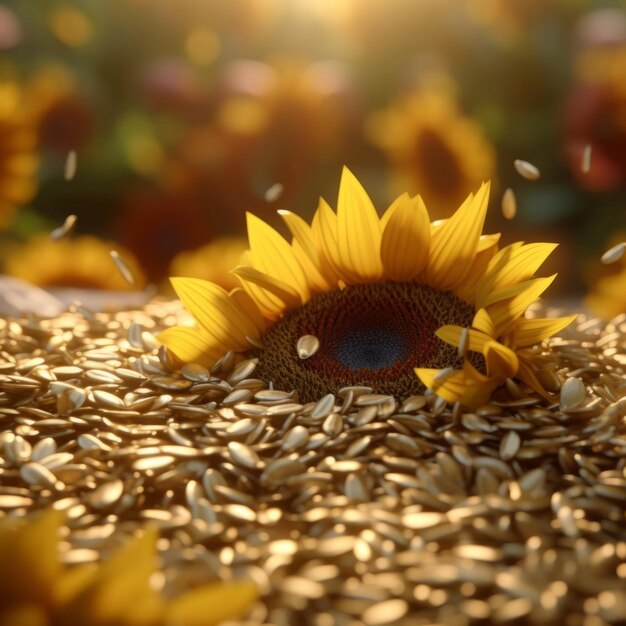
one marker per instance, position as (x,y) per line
(509,204)
(307,346)
(70,165)
(613,254)
(123,269)
(65,228)
(526,170)
(586,162)
(463,342)
(273,193)
(572,393)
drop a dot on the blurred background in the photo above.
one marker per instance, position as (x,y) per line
(183,115)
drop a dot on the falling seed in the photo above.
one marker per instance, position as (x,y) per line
(526,170)
(463,341)
(509,204)
(586,162)
(127,275)
(613,254)
(65,229)
(307,346)
(274,192)
(70,165)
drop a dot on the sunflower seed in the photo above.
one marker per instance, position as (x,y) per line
(509,204)
(614,254)
(526,170)
(323,406)
(65,229)
(509,445)
(37,474)
(122,268)
(243,455)
(333,425)
(273,193)
(70,165)
(307,346)
(106,495)
(572,394)
(385,612)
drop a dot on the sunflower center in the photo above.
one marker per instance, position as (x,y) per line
(371,335)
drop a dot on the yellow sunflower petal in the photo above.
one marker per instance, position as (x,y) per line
(390,210)
(272,255)
(358,230)
(192,345)
(301,232)
(120,592)
(212,308)
(488,241)
(452,335)
(282,290)
(531,331)
(527,375)
(505,312)
(405,241)
(211,604)
(467,386)
(467,289)
(324,228)
(482,321)
(244,301)
(454,244)
(501,361)
(512,265)
(30,563)
(317,282)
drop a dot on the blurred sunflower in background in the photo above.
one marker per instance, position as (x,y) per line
(213,261)
(18,152)
(38,590)
(432,148)
(83,262)
(267,123)
(63,116)
(356,299)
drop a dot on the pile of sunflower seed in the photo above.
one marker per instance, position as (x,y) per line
(355,510)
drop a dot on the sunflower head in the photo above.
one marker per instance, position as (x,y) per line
(433,148)
(395,303)
(19,159)
(83,262)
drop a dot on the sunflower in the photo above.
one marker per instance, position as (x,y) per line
(212,261)
(37,590)
(433,148)
(384,301)
(83,262)
(18,152)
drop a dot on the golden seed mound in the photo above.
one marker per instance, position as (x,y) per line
(371,335)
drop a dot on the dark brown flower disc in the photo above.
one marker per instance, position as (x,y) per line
(372,335)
